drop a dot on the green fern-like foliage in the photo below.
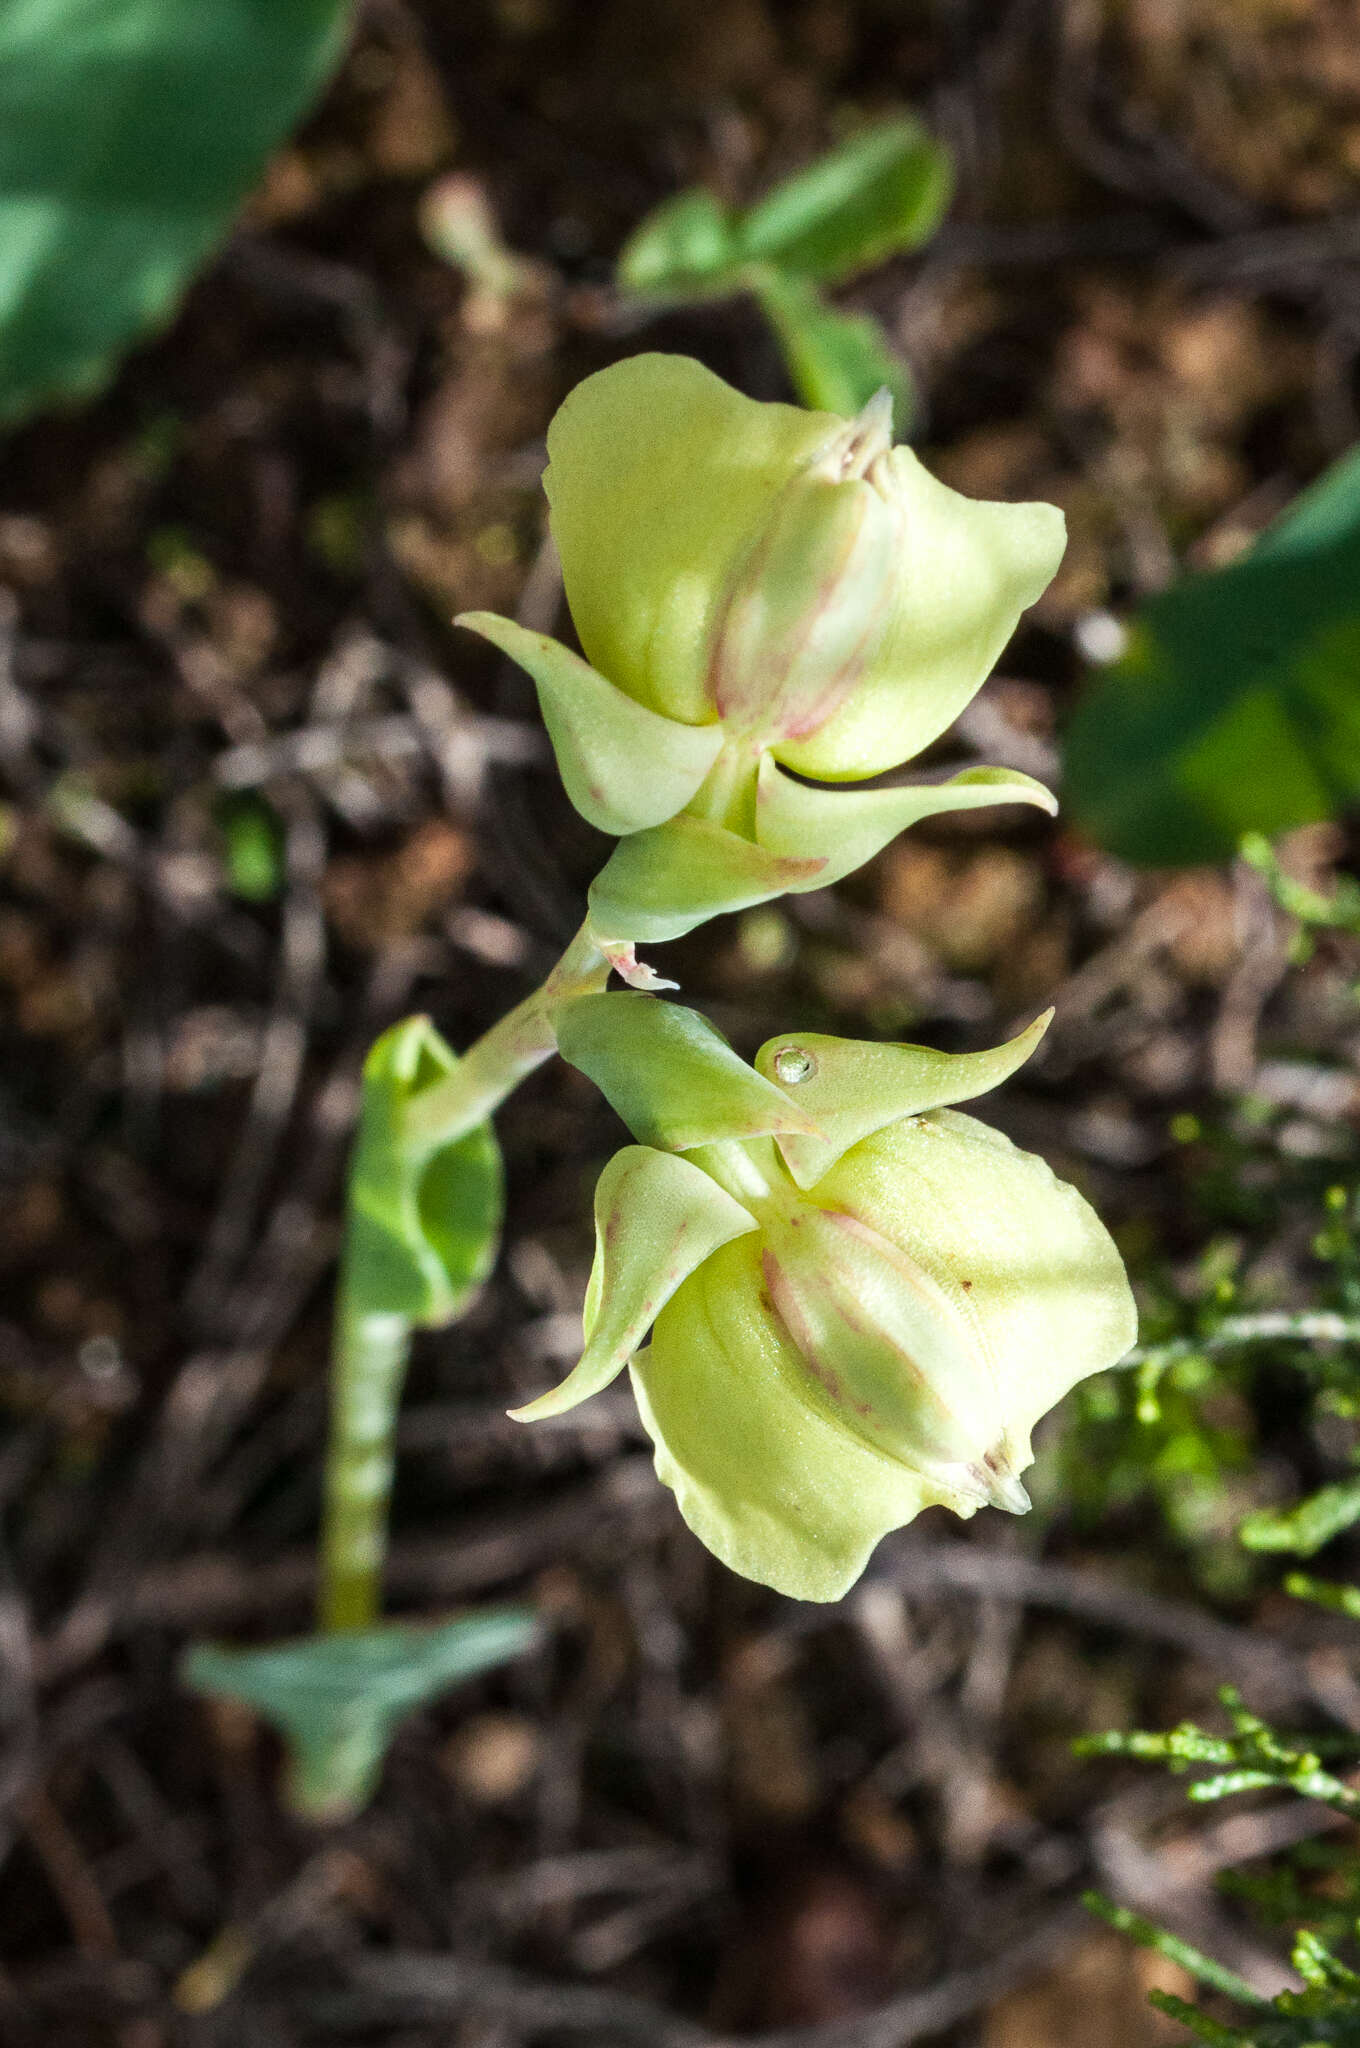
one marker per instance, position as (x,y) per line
(1253,1758)
(1325,2014)
(1313,1891)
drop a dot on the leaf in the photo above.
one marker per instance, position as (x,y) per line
(836,361)
(252,848)
(883,190)
(337,1700)
(1305,1528)
(670,1075)
(1236,707)
(422,1229)
(130,132)
(685,249)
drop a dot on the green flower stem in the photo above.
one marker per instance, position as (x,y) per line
(1319,1326)
(508,1053)
(369,1366)
(371,1349)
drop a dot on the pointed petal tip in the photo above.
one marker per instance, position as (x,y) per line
(875,420)
(1004,1490)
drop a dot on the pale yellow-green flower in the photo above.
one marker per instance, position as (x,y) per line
(860,1301)
(759,589)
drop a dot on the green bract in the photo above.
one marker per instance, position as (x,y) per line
(861,1302)
(759,589)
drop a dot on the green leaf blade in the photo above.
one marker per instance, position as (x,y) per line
(1305,1527)
(130,131)
(1235,708)
(881,191)
(337,1700)
(686,248)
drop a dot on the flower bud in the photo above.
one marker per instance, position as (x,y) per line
(861,1302)
(810,597)
(758,588)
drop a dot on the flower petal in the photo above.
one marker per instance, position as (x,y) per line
(849,827)
(657,1218)
(657,885)
(969,569)
(659,476)
(763,1471)
(1015,1246)
(851,1087)
(670,1075)
(624,767)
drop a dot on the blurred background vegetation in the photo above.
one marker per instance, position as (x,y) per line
(288,293)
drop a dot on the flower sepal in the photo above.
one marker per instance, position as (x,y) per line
(657,1218)
(624,767)
(672,1076)
(852,1088)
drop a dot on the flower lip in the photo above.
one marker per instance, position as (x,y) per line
(811,595)
(906,1367)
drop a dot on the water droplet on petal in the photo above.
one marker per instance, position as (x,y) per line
(792,1064)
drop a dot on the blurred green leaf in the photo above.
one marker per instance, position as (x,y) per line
(686,249)
(882,190)
(337,1700)
(423,1228)
(130,131)
(1304,1528)
(252,846)
(836,361)
(1235,708)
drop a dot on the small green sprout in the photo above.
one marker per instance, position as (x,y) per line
(883,190)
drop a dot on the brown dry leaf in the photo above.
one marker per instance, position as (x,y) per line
(1202,913)
(1097,1998)
(969,908)
(372,901)
(1264,94)
(1009,460)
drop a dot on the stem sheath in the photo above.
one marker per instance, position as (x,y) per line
(371,1349)
(369,1365)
